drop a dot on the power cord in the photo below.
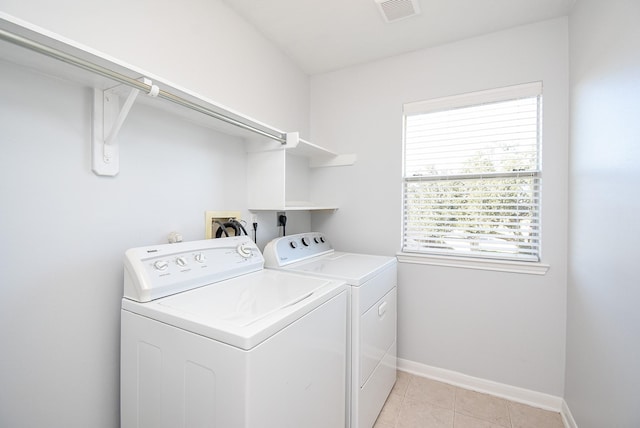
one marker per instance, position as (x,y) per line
(255,232)
(282,221)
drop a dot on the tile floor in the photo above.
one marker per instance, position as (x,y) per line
(417,402)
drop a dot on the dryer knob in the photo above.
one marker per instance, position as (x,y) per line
(200,257)
(305,241)
(293,244)
(181,261)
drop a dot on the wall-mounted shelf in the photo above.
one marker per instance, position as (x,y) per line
(273,152)
(27,45)
(318,156)
(278,177)
(297,206)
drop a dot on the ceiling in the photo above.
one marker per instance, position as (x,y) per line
(326,35)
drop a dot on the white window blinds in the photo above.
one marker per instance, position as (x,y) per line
(472,174)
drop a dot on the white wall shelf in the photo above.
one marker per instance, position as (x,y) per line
(318,156)
(297,206)
(30,46)
(278,178)
(27,45)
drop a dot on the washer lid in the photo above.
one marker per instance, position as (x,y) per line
(355,269)
(242,311)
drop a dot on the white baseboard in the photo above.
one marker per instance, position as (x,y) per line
(512,393)
(567,417)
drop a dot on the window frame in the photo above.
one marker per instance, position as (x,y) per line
(491,261)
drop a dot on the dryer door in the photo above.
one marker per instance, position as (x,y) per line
(378,334)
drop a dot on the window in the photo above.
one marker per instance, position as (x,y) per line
(472,174)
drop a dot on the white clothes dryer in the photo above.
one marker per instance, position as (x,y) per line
(372,314)
(211,339)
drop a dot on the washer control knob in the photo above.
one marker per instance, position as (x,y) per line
(200,257)
(244,250)
(161,265)
(305,241)
(322,239)
(293,244)
(316,240)
(181,261)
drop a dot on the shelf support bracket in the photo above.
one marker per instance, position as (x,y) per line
(291,140)
(108,118)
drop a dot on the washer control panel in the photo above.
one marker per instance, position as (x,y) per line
(160,270)
(294,248)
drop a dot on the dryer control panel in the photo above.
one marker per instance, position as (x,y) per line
(294,248)
(161,270)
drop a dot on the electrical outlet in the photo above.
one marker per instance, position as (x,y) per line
(278,214)
(210,217)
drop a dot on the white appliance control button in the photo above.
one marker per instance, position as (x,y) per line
(322,239)
(316,240)
(161,265)
(293,244)
(200,257)
(181,261)
(305,241)
(244,250)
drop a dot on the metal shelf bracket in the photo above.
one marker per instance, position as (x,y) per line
(108,118)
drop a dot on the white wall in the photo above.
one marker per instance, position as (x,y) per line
(603,328)
(65,229)
(505,327)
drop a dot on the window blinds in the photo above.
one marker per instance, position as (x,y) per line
(472,174)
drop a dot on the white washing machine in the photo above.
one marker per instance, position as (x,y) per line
(211,339)
(371,320)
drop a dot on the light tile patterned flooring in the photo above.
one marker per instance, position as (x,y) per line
(417,402)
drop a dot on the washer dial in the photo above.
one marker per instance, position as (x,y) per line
(161,265)
(244,250)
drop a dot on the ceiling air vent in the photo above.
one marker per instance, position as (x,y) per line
(395,10)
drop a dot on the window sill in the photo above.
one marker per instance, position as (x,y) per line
(531,268)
